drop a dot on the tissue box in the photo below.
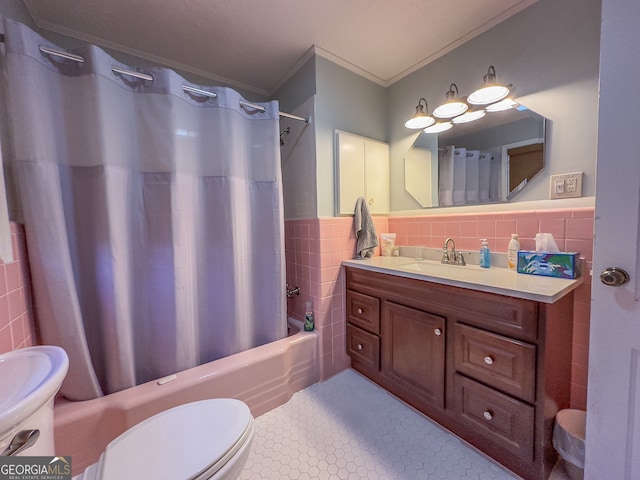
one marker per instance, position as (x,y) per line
(561,265)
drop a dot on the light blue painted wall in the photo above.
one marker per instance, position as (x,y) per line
(297,96)
(299,88)
(348,102)
(336,99)
(549,52)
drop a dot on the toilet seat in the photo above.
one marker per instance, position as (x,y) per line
(191,441)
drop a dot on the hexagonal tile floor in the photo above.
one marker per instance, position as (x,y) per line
(349,428)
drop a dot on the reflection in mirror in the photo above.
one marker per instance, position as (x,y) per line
(486,161)
(420,166)
(526,159)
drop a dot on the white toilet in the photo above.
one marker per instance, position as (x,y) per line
(208,439)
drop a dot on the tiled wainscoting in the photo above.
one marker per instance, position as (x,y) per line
(314,250)
(316,247)
(16,315)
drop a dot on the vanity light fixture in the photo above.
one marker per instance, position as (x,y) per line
(453,106)
(505,104)
(438,127)
(469,116)
(421,119)
(490,92)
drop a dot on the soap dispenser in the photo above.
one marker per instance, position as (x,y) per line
(485,254)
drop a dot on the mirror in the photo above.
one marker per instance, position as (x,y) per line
(487,161)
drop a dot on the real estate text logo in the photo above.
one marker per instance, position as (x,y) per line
(35,468)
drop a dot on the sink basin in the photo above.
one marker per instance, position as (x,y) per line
(30,378)
(427,267)
(448,271)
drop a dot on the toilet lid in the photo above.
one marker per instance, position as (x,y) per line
(179,443)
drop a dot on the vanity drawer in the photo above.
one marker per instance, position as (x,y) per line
(513,317)
(501,362)
(363,311)
(503,420)
(363,348)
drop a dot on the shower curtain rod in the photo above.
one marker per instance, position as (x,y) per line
(144,76)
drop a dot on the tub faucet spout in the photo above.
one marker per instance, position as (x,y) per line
(292,291)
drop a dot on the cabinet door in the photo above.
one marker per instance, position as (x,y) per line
(362,166)
(351,181)
(376,170)
(413,349)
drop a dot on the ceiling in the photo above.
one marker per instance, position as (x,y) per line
(258,44)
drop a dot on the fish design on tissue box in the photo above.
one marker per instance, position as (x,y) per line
(547,260)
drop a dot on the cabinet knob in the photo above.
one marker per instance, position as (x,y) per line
(488,360)
(360,311)
(438,332)
(371,201)
(360,346)
(488,415)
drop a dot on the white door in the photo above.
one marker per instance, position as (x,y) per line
(613,400)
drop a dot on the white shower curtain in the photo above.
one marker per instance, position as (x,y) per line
(459,175)
(445,176)
(472,177)
(153,217)
(484,181)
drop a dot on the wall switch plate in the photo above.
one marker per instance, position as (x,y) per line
(566,185)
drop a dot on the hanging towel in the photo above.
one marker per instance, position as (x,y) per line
(366,237)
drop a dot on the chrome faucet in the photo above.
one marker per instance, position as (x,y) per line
(450,256)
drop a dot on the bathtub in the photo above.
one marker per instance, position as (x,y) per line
(263,377)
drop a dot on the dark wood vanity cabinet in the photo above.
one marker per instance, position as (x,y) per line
(413,353)
(493,369)
(409,359)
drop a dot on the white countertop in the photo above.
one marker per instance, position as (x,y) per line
(494,280)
